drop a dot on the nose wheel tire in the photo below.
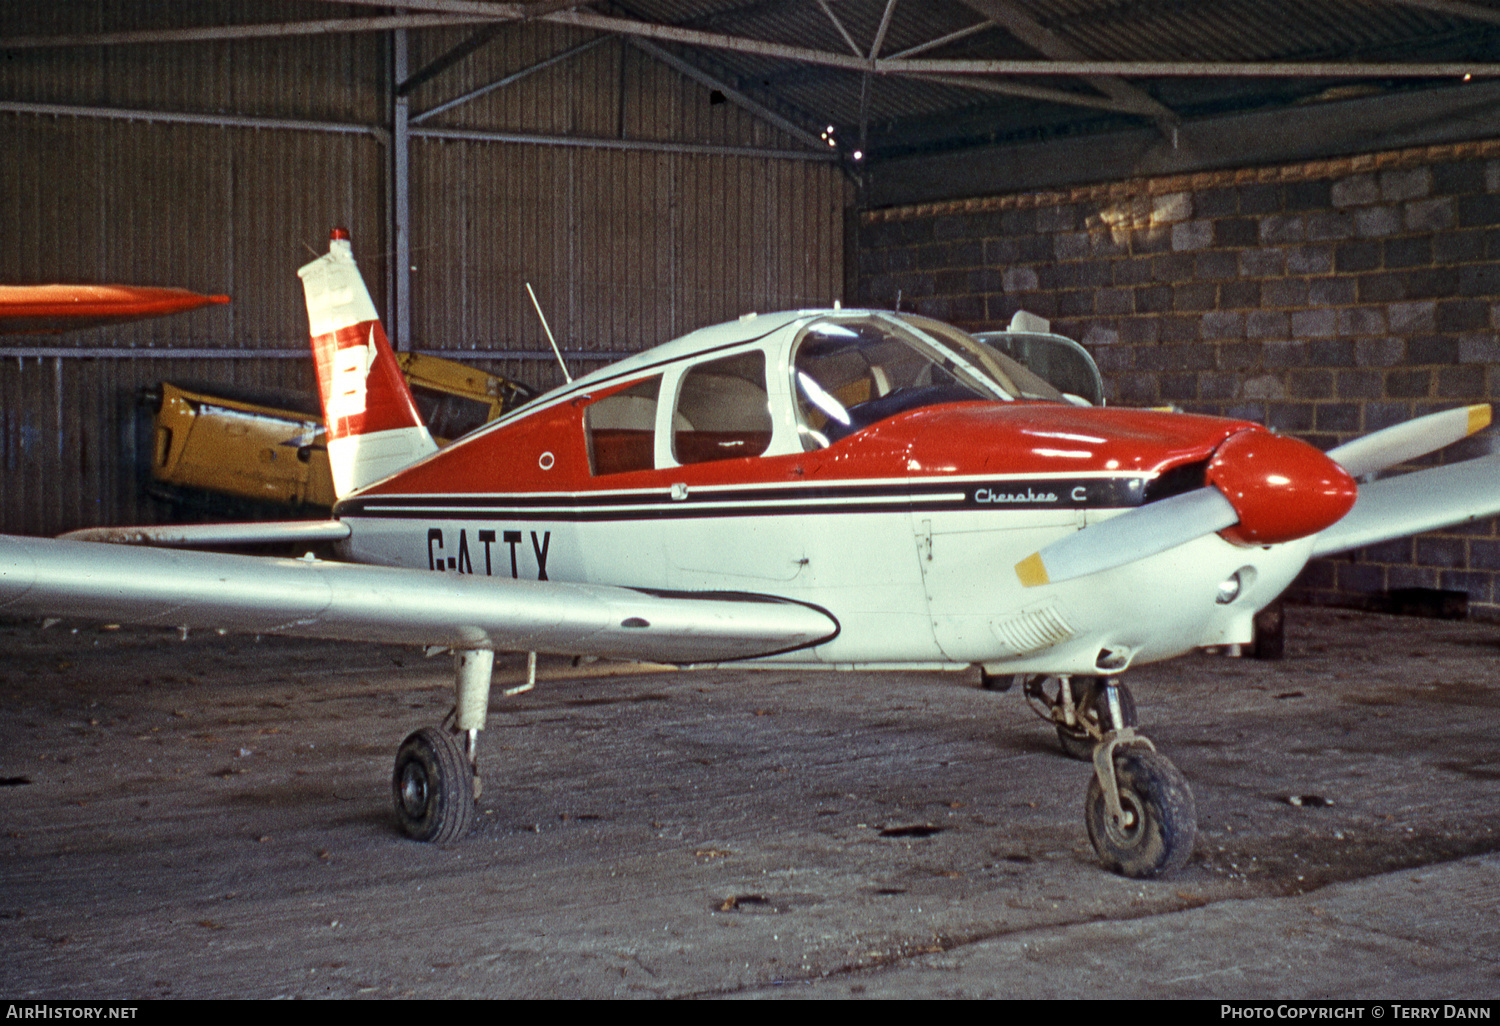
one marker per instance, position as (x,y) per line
(1159,821)
(433,786)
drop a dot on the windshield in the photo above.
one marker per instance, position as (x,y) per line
(852,372)
(1018,379)
(1063,363)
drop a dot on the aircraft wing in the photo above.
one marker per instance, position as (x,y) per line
(187,536)
(346,601)
(1424,500)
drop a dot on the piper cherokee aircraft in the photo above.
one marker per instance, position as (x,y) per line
(824,489)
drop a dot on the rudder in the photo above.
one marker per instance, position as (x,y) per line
(374,428)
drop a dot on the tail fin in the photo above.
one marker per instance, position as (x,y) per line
(374,428)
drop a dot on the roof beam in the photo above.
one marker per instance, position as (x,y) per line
(885,24)
(214,33)
(383,136)
(1192,69)
(452,57)
(1031,92)
(475,7)
(380,134)
(1042,39)
(951,37)
(1455,8)
(840,26)
(1077,68)
(730,93)
(640,145)
(513,77)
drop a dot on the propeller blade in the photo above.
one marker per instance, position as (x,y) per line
(1261,489)
(1135,534)
(1407,441)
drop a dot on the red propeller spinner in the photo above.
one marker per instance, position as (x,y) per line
(1282,488)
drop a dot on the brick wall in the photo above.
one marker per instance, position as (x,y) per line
(1326,299)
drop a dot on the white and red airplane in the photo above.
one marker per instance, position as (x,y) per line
(826,489)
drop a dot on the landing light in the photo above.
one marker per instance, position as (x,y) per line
(1229,590)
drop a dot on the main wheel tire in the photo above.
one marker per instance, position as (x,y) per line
(1161,818)
(433,787)
(1076,742)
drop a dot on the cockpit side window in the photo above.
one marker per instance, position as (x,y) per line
(722,410)
(849,373)
(621,429)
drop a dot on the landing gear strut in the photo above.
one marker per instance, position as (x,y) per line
(1139,810)
(1082,710)
(436,779)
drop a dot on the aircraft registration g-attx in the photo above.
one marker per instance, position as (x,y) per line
(827,489)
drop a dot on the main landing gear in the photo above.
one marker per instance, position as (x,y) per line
(435,784)
(436,780)
(1139,810)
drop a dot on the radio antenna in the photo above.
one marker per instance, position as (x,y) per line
(532,294)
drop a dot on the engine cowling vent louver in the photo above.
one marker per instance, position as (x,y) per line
(1033,629)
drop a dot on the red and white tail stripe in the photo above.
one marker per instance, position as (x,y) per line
(374,428)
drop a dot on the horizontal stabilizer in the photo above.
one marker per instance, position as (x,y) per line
(1425,500)
(189,536)
(129,584)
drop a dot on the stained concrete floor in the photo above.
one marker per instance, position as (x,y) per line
(210,818)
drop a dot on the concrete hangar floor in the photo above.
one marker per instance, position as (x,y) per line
(210,817)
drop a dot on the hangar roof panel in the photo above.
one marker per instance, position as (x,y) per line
(897,78)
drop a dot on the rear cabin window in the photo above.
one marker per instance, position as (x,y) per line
(621,429)
(722,412)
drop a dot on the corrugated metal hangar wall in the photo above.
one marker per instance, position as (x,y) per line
(636,203)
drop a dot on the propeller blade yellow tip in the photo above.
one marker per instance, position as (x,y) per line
(1031,571)
(1479,417)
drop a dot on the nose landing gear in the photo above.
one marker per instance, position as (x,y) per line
(1081,710)
(1139,810)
